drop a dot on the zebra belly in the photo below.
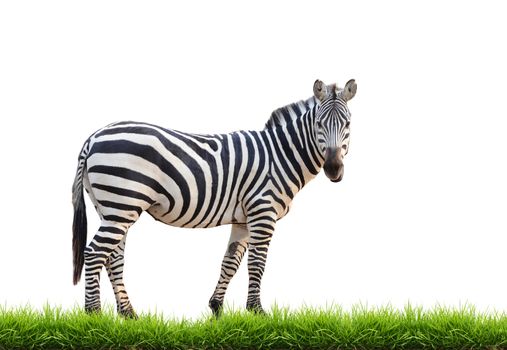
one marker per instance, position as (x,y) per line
(233,214)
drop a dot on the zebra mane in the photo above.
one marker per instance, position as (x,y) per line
(286,114)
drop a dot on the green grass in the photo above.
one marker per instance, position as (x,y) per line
(362,328)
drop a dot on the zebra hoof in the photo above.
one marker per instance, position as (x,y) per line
(129,314)
(256,309)
(216,307)
(92,310)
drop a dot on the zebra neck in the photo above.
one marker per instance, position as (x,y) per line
(295,151)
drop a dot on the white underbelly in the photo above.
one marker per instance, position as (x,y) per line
(233,214)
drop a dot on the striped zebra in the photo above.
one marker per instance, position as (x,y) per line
(245,178)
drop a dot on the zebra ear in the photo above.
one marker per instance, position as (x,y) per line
(319,90)
(349,90)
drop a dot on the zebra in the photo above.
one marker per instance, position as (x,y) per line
(245,178)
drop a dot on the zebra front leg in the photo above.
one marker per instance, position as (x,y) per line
(261,229)
(114,266)
(96,254)
(236,248)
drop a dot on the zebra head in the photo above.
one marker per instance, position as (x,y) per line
(332,118)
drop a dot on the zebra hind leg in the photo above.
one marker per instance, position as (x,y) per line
(236,248)
(114,267)
(104,243)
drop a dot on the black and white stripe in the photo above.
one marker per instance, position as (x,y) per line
(246,178)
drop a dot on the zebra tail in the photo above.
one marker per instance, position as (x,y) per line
(79,225)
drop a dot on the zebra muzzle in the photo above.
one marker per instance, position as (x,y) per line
(333,165)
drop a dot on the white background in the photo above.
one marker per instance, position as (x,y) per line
(420,216)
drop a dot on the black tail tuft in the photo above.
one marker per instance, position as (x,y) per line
(79,226)
(79,229)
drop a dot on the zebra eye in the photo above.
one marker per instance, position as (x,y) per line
(347,125)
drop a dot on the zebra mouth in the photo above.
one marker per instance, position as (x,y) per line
(338,177)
